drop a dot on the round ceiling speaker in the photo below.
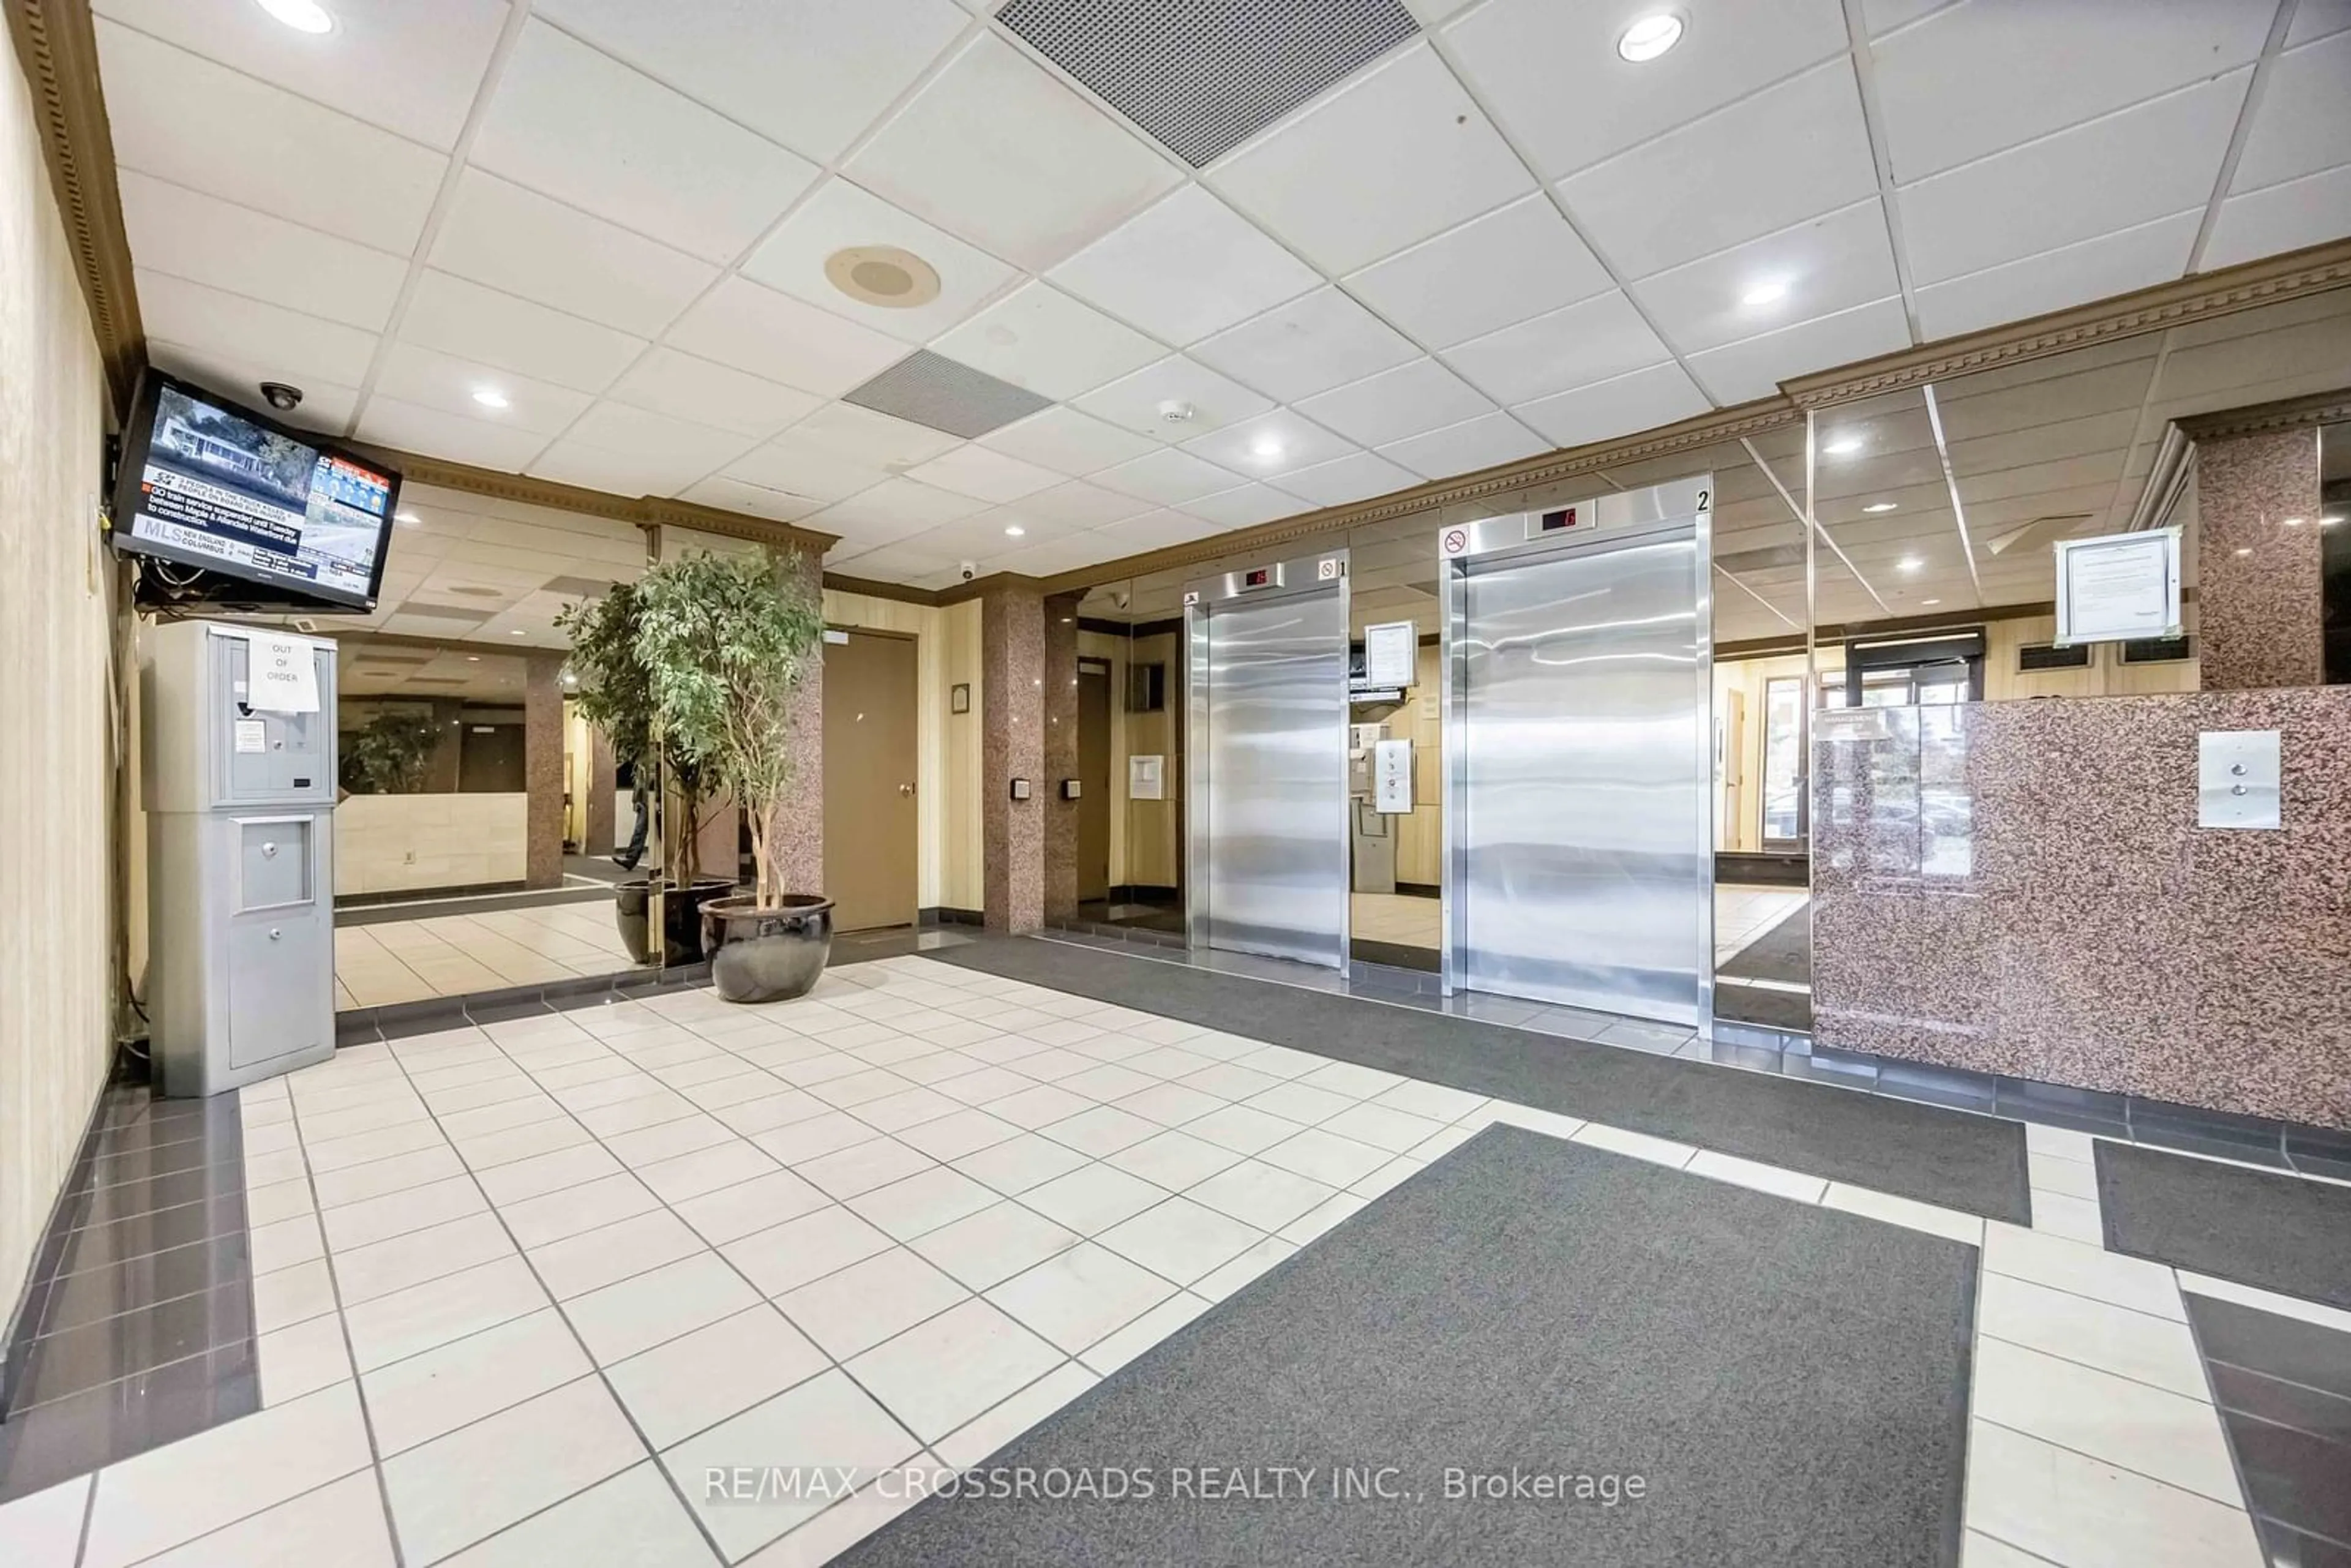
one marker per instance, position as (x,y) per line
(883,275)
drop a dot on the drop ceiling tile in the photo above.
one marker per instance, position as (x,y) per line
(1353,478)
(875,440)
(1134,401)
(409,66)
(1067,441)
(2095,269)
(2304,124)
(811,74)
(2126,169)
(1730,177)
(1277,443)
(1398,154)
(1081,506)
(2282,219)
(202,238)
(1493,272)
(325,405)
(1039,337)
(1168,476)
(499,233)
(1161,529)
(183,119)
(1190,267)
(1880,18)
(1973,80)
(291,345)
(1754,368)
(1244,507)
(1824,266)
(1658,396)
(1314,342)
(975,471)
(909,561)
(410,428)
(593,467)
(575,124)
(628,431)
(444,381)
(893,511)
(683,387)
(983,534)
(2315,19)
(840,215)
(733,495)
(1050,558)
(1466,447)
(1406,401)
(773,335)
(995,150)
(1552,74)
(1600,338)
(466,319)
(804,468)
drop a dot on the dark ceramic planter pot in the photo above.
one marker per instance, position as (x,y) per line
(767,955)
(681,917)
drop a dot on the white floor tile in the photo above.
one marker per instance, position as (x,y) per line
(698,1379)
(1259,1195)
(705,1170)
(2085,1271)
(622,1320)
(1640,1145)
(44,1529)
(342,1522)
(611,1253)
(2054,1214)
(398,1213)
(784,1256)
(2173,1439)
(2072,1178)
(2137,1346)
(1179,1240)
(1323,1217)
(300,1359)
(867,1302)
(416,1400)
(862,1168)
(991,1246)
(1076,1297)
(633,1520)
(944,1371)
(1298,1102)
(543,1174)
(2075,1511)
(1092,1198)
(1019,1164)
(476,1481)
(978,1438)
(1383,1127)
(922,1202)
(1115,1349)
(1320,1154)
(365,1273)
(1883,1206)
(1100,1130)
(284,1296)
(1794,1185)
(1224,1281)
(827,1421)
(960,1133)
(551,1217)
(1174,1160)
(406,1323)
(669,1141)
(397,1173)
(1241,1129)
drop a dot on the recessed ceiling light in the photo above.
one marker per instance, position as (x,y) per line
(473,658)
(1265,446)
(1650,37)
(1877,506)
(410,518)
(1764,294)
(2244,550)
(1908,563)
(883,275)
(302,16)
(1843,446)
(1013,531)
(1931,602)
(516,632)
(490,397)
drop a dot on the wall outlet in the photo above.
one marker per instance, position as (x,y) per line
(408,857)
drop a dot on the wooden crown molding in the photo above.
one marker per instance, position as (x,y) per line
(2307,412)
(57,48)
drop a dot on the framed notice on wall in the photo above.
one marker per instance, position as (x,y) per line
(2119,586)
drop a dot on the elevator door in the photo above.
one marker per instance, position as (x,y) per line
(1584,858)
(1273,841)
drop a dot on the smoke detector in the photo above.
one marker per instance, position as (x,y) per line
(1175,411)
(884,276)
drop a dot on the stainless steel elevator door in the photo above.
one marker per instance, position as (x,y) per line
(1584,863)
(1277,722)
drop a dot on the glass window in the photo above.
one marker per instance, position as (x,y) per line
(1783,760)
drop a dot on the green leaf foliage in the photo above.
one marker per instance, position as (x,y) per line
(389,754)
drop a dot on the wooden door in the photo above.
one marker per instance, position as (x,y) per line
(1093,780)
(870,827)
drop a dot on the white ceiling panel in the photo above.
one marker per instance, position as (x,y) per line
(683,387)
(2280,218)
(523,243)
(1067,441)
(773,335)
(1271,444)
(1242,507)
(1406,401)
(1791,152)
(1658,396)
(811,468)
(997,150)
(409,66)
(1353,478)
(1314,342)
(410,428)
(1552,74)
(876,440)
(447,382)
(985,534)
(575,124)
(2094,269)
(2126,169)
(183,118)
(1039,337)
(1979,78)
(1755,367)
(1190,267)
(325,405)
(1829,264)
(984,475)
(897,503)
(206,240)
(1134,401)
(1466,447)
(1081,506)
(694,449)
(1494,272)
(840,215)
(1050,556)
(1168,476)
(811,74)
(1598,339)
(1153,530)
(594,468)
(2304,124)
(730,494)
(1398,154)
(293,345)
(466,319)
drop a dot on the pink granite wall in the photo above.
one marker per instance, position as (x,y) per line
(2021,888)
(542,770)
(2259,593)
(798,824)
(1012,745)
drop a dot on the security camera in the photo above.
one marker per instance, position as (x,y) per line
(283,398)
(1121,598)
(970,569)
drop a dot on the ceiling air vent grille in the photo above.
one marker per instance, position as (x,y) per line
(934,391)
(1201,77)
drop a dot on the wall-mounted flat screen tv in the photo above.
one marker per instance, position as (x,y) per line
(235,510)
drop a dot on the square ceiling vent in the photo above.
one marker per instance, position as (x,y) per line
(933,391)
(1201,77)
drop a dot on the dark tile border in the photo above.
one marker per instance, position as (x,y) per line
(349,912)
(426,894)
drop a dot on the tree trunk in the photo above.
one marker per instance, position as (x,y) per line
(764,887)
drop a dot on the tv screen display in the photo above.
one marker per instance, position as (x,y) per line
(215,486)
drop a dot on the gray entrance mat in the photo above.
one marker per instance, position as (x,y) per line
(1788,1383)
(1960,1160)
(1784,952)
(2285,1233)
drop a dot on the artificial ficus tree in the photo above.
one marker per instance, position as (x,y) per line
(726,640)
(615,691)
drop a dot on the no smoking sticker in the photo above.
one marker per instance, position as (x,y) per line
(1453,541)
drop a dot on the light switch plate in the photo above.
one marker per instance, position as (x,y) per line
(2237,778)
